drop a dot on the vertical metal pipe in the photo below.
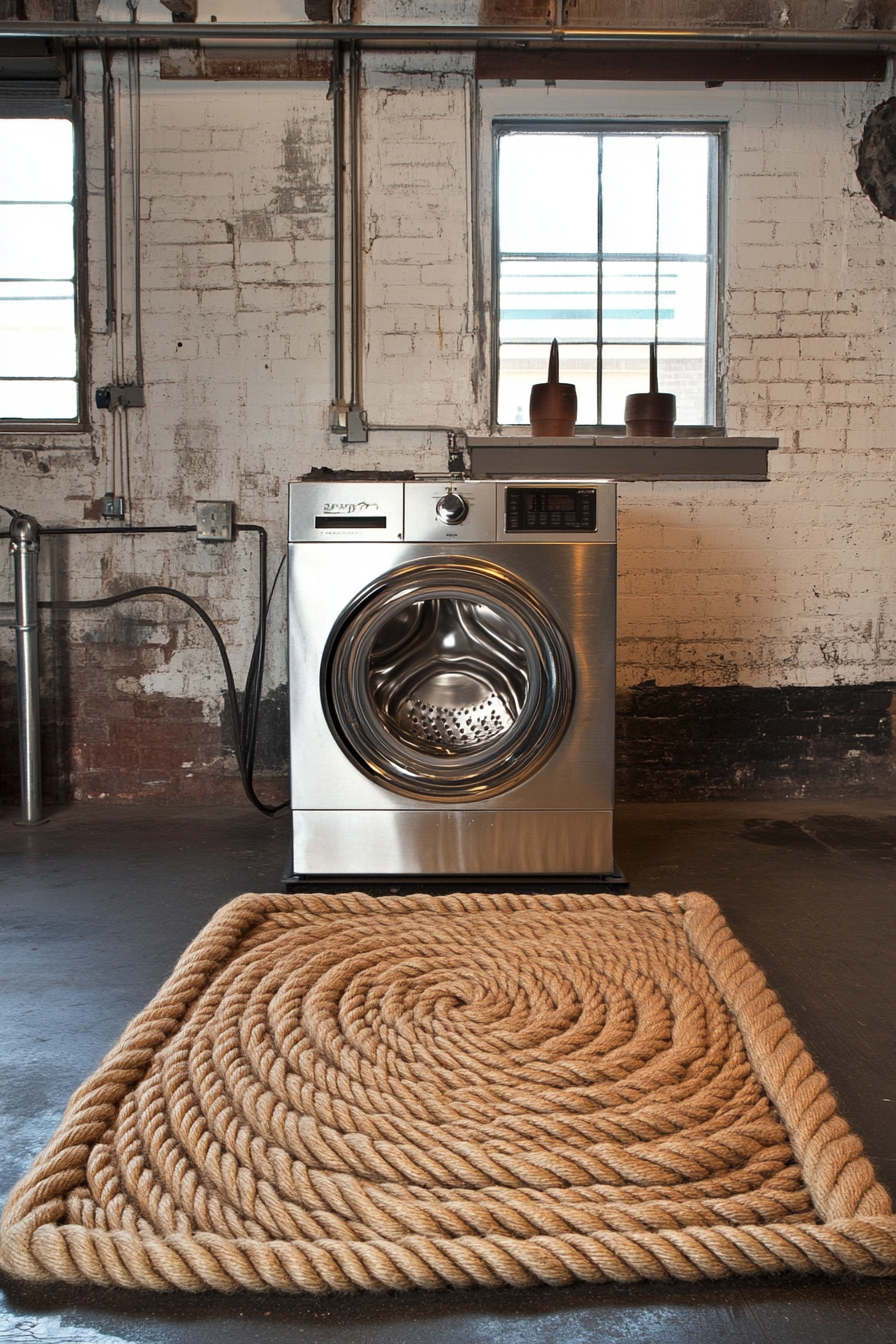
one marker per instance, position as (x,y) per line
(338,223)
(109,188)
(134,104)
(24,545)
(357,203)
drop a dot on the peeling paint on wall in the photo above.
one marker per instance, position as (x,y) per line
(722,585)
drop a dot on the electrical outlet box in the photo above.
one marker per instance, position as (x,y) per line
(119,394)
(214,520)
(113,506)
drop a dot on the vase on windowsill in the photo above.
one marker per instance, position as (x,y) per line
(553,405)
(650,415)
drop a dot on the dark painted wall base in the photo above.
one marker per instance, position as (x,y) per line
(674,743)
(697,743)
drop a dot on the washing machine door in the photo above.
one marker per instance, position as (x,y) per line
(448,681)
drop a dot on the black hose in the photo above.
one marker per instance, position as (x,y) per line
(245,716)
(250,719)
(233,699)
(254,676)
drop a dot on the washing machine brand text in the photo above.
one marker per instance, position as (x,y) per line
(362,506)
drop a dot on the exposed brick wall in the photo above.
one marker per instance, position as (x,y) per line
(770,585)
(721,742)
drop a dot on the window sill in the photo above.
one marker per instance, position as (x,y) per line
(14,434)
(704,457)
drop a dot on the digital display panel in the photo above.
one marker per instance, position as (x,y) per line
(547,510)
(541,500)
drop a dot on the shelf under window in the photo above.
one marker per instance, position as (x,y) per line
(682,458)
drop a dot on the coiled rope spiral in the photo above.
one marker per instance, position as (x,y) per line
(342,1092)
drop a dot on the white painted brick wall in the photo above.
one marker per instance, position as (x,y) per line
(788,582)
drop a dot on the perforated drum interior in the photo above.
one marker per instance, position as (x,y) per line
(448,681)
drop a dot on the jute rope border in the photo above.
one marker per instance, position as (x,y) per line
(857,1234)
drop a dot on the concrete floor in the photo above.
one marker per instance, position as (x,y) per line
(98,904)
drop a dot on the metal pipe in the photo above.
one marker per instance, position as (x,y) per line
(396,37)
(24,546)
(109,185)
(357,391)
(134,108)
(339,223)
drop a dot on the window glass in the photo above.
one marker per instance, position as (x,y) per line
(38,332)
(606,242)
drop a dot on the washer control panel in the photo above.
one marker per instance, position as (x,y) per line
(532,508)
(557,512)
(346,511)
(450,511)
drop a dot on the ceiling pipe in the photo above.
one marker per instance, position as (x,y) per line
(397,37)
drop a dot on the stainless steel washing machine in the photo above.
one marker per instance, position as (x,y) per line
(452,649)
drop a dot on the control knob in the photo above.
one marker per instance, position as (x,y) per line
(452,508)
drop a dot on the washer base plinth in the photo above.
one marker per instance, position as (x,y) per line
(452,842)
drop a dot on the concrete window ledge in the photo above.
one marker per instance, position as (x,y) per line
(699,458)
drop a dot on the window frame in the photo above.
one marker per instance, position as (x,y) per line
(716,231)
(30,108)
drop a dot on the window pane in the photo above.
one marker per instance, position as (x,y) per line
(629,300)
(541,300)
(547,193)
(523,365)
(625,369)
(41,400)
(682,369)
(36,160)
(684,168)
(628,180)
(37,331)
(520,367)
(37,241)
(682,310)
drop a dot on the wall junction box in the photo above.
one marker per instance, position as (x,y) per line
(214,520)
(116,395)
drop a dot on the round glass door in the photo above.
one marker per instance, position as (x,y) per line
(448,680)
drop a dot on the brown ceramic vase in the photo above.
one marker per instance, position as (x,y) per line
(650,414)
(553,405)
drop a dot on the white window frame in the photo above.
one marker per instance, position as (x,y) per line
(504,125)
(45,105)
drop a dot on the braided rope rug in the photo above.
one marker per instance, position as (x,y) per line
(342,1092)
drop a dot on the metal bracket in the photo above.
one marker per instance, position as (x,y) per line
(338,413)
(355,425)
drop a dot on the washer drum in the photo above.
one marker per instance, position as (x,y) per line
(448,681)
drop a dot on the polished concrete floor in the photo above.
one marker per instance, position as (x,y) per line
(98,904)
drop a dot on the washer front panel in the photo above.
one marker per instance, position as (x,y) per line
(575,583)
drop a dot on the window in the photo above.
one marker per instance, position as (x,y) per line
(607,239)
(38,322)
